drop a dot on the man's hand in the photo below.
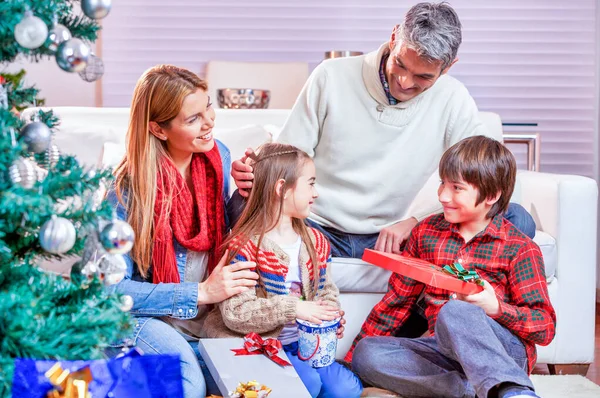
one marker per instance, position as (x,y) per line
(391,238)
(241,171)
(486,299)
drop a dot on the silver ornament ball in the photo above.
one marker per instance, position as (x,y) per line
(94,69)
(57,235)
(31,32)
(111,263)
(72,55)
(52,156)
(58,34)
(113,268)
(37,136)
(126,303)
(96,9)
(117,237)
(23,172)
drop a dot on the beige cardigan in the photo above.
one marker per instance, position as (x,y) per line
(264,312)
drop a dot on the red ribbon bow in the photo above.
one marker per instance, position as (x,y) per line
(256,345)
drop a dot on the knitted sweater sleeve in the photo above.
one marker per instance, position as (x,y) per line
(246,312)
(463,122)
(464,119)
(303,127)
(328,291)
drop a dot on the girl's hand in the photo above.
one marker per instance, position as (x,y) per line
(316,311)
(340,331)
(227,281)
(486,299)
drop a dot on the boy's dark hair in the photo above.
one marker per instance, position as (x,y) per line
(484,163)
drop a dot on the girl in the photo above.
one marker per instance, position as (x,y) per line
(170,187)
(291,262)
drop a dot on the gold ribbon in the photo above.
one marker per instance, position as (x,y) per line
(69,384)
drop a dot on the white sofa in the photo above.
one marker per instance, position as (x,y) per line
(564,207)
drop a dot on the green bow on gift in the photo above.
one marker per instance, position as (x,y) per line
(462,274)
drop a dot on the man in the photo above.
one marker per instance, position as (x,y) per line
(377,126)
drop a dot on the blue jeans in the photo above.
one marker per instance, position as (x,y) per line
(353,245)
(469,355)
(333,381)
(158,337)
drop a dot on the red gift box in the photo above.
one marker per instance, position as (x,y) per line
(420,270)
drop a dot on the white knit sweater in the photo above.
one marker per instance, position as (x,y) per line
(372,158)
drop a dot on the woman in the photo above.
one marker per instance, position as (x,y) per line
(171,187)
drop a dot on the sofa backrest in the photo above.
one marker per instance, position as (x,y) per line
(83,131)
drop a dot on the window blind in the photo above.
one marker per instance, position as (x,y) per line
(531,61)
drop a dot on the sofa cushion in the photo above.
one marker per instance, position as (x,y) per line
(357,276)
(547,244)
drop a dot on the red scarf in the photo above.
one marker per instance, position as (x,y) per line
(196,222)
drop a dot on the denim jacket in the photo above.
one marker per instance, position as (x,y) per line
(177,300)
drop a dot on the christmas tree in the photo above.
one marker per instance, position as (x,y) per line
(50,206)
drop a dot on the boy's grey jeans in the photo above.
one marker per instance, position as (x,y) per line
(469,355)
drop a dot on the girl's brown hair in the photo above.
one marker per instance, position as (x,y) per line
(158,97)
(264,207)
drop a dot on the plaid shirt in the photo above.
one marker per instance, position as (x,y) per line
(501,254)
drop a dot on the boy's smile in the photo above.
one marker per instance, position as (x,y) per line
(459,201)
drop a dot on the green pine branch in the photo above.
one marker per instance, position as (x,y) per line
(43,315)
(12,12)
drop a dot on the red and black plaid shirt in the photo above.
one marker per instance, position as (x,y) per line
(511,262)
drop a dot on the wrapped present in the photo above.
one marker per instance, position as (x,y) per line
(232,371)
(453,278)
(256,345)
(130,375)
(252,389)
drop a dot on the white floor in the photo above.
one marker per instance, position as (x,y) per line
(565,386)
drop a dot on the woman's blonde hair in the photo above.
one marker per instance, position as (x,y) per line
(158,97)
(263,211)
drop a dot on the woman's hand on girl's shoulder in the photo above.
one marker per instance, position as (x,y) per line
(227,281)
(316,311)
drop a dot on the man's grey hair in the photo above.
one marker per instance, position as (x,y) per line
(433,30)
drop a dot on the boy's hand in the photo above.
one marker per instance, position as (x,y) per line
(316,311)
(340,331)
(486,299)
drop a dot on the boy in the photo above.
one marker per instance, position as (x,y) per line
(481,344)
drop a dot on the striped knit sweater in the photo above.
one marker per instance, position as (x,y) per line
(268,307)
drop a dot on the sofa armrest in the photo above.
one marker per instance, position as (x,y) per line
(565,206)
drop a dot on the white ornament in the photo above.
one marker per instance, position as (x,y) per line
(57,235)
(96,9)
(126,303)
(31,32)
(3,97)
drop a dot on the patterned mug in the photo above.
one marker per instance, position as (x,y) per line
(317,344)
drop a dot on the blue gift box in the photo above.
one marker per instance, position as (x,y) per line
(131,375)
